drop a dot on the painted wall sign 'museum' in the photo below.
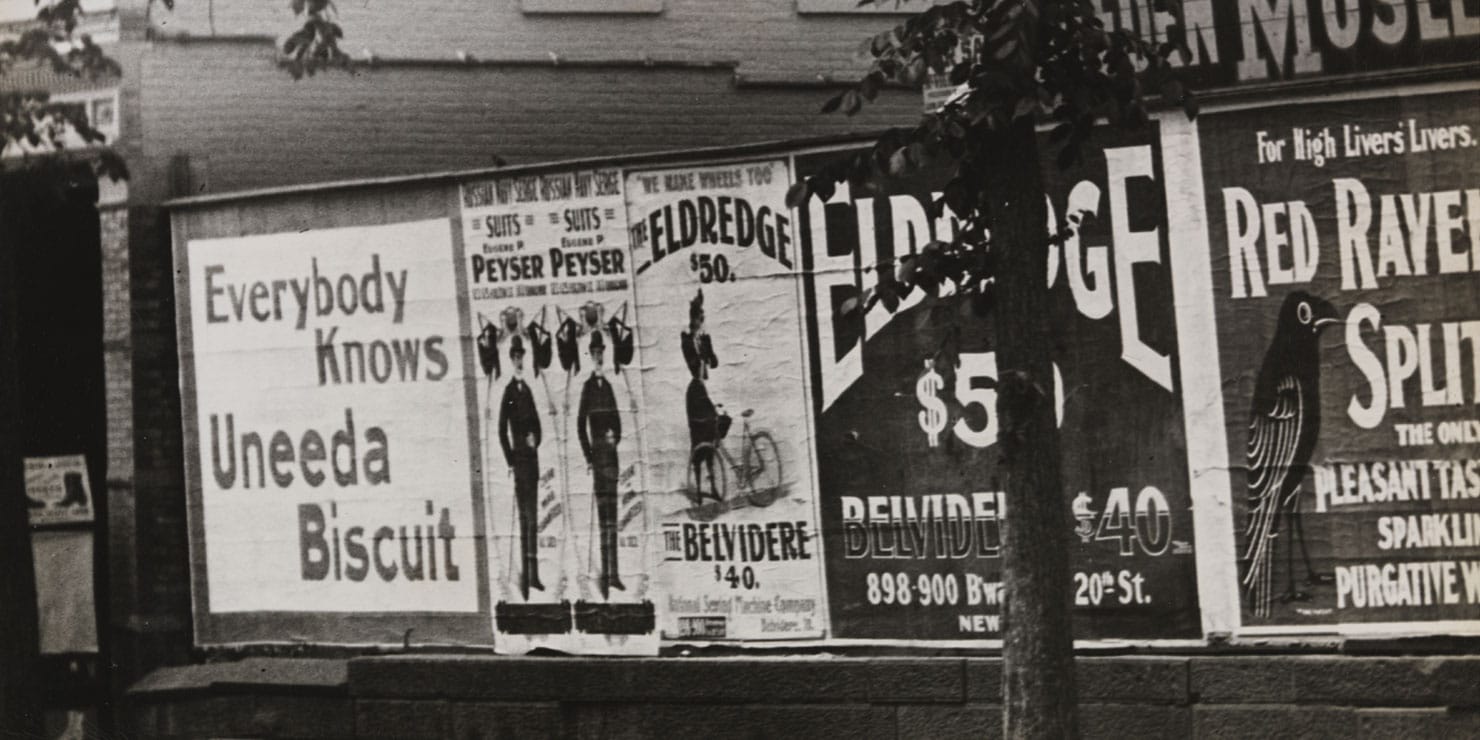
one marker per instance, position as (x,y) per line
(1255,41)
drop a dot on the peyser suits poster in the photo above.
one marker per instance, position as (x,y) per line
(550,293)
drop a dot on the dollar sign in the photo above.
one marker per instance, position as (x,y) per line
(933,418)
(694,261)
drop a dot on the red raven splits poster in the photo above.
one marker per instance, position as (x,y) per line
(1345,242)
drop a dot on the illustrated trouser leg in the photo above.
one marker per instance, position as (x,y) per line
(704,458)
(606,511)
(526,496)
(604,479)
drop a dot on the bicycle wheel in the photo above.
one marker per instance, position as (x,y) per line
(695,493)
(762,470)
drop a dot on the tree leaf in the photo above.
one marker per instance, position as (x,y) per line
(961,73)
(918,154)
(849,305)
(1173,90)
(914,72)
(1068,156)
(1005,49)
(796,195)
(908,267)
(888,294)
(1025,108)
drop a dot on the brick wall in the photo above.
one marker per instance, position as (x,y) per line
(148,546)
(244,123)
(117,321)
(475,697)
(767,38)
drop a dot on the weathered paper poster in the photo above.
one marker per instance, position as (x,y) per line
(63,561)
(1345,253)
(550,290)
(329,443)
(57,491)
(911,497)
(724,376)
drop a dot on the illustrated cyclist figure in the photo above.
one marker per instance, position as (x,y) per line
(706,425)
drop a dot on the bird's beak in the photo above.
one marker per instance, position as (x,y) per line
(1325,314)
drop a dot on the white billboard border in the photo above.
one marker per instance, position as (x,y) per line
(239,629)
(1207,441)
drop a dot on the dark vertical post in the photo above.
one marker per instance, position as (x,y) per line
(1040,697)
(19,639)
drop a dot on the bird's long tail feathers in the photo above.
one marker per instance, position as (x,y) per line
(1260,533)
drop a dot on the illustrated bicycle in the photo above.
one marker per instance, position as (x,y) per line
(757,472)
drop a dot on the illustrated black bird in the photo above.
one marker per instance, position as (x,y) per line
(1284,424)
(539,339)
(488,349)
(567,345)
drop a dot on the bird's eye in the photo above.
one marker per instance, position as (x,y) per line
(1303,312)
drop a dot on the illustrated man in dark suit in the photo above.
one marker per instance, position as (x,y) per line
(519,434)
(599,427)
(704,418)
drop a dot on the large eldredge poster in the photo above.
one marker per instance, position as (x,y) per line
(724,376)
(1345,246)
(911,497)
(328,440)
(550,293)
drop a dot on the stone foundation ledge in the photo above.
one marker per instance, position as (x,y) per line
(477,696)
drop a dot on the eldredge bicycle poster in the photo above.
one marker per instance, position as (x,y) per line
(723,364)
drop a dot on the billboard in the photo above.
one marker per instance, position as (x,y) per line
(1344,240)
(550,293)
(604,407)
(724,373)
(328,442)
(911,499)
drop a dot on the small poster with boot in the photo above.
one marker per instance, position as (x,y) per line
(57,491)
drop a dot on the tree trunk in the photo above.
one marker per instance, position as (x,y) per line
(1039,694)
